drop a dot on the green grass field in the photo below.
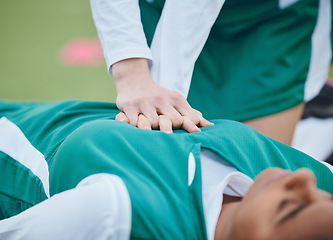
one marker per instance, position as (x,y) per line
(32,35)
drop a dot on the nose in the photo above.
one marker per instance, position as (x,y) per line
(303,183)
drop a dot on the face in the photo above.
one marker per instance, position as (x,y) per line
(284,205)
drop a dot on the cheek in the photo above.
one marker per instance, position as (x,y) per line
(315,222)
(252,221)
(286,231)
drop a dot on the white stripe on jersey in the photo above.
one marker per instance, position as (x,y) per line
(321,52)
(14,143)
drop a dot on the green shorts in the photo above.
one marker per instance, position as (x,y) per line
(258,57)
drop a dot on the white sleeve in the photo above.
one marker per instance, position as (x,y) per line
(98,208)
(179,38)
(119,27)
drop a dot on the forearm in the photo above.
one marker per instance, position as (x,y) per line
(120,30)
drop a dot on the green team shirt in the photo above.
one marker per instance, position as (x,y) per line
(79,139)
(256,60)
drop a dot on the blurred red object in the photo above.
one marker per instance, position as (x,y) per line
(82,52)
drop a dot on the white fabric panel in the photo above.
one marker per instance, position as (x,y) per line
(14,143)
(119,200)
(98,208)
(179,38)
(321,52)
(287,3)
(219,177)
(314,136)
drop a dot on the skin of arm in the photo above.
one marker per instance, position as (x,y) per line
(149,106)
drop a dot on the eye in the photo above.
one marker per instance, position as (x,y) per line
(289,208)
(283,204)
(287,203)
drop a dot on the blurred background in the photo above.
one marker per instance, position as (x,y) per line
(50,51)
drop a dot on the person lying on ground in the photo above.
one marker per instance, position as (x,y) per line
(108,179)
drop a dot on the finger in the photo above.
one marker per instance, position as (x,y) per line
(183,107)
(189,126)
(132,116)
(143,122)
(173,115)
(122,117)
(198,120)
(205,123)
(151,114)
(165,124)
(198,112)
(191,113)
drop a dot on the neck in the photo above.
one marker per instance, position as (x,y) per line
(229,207)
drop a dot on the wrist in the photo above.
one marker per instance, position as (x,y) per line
(129,72)
(129,68)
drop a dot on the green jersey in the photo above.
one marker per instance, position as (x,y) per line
(79,139)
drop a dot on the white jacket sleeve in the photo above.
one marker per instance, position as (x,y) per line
(98,208)
(119,27)
(179,38)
